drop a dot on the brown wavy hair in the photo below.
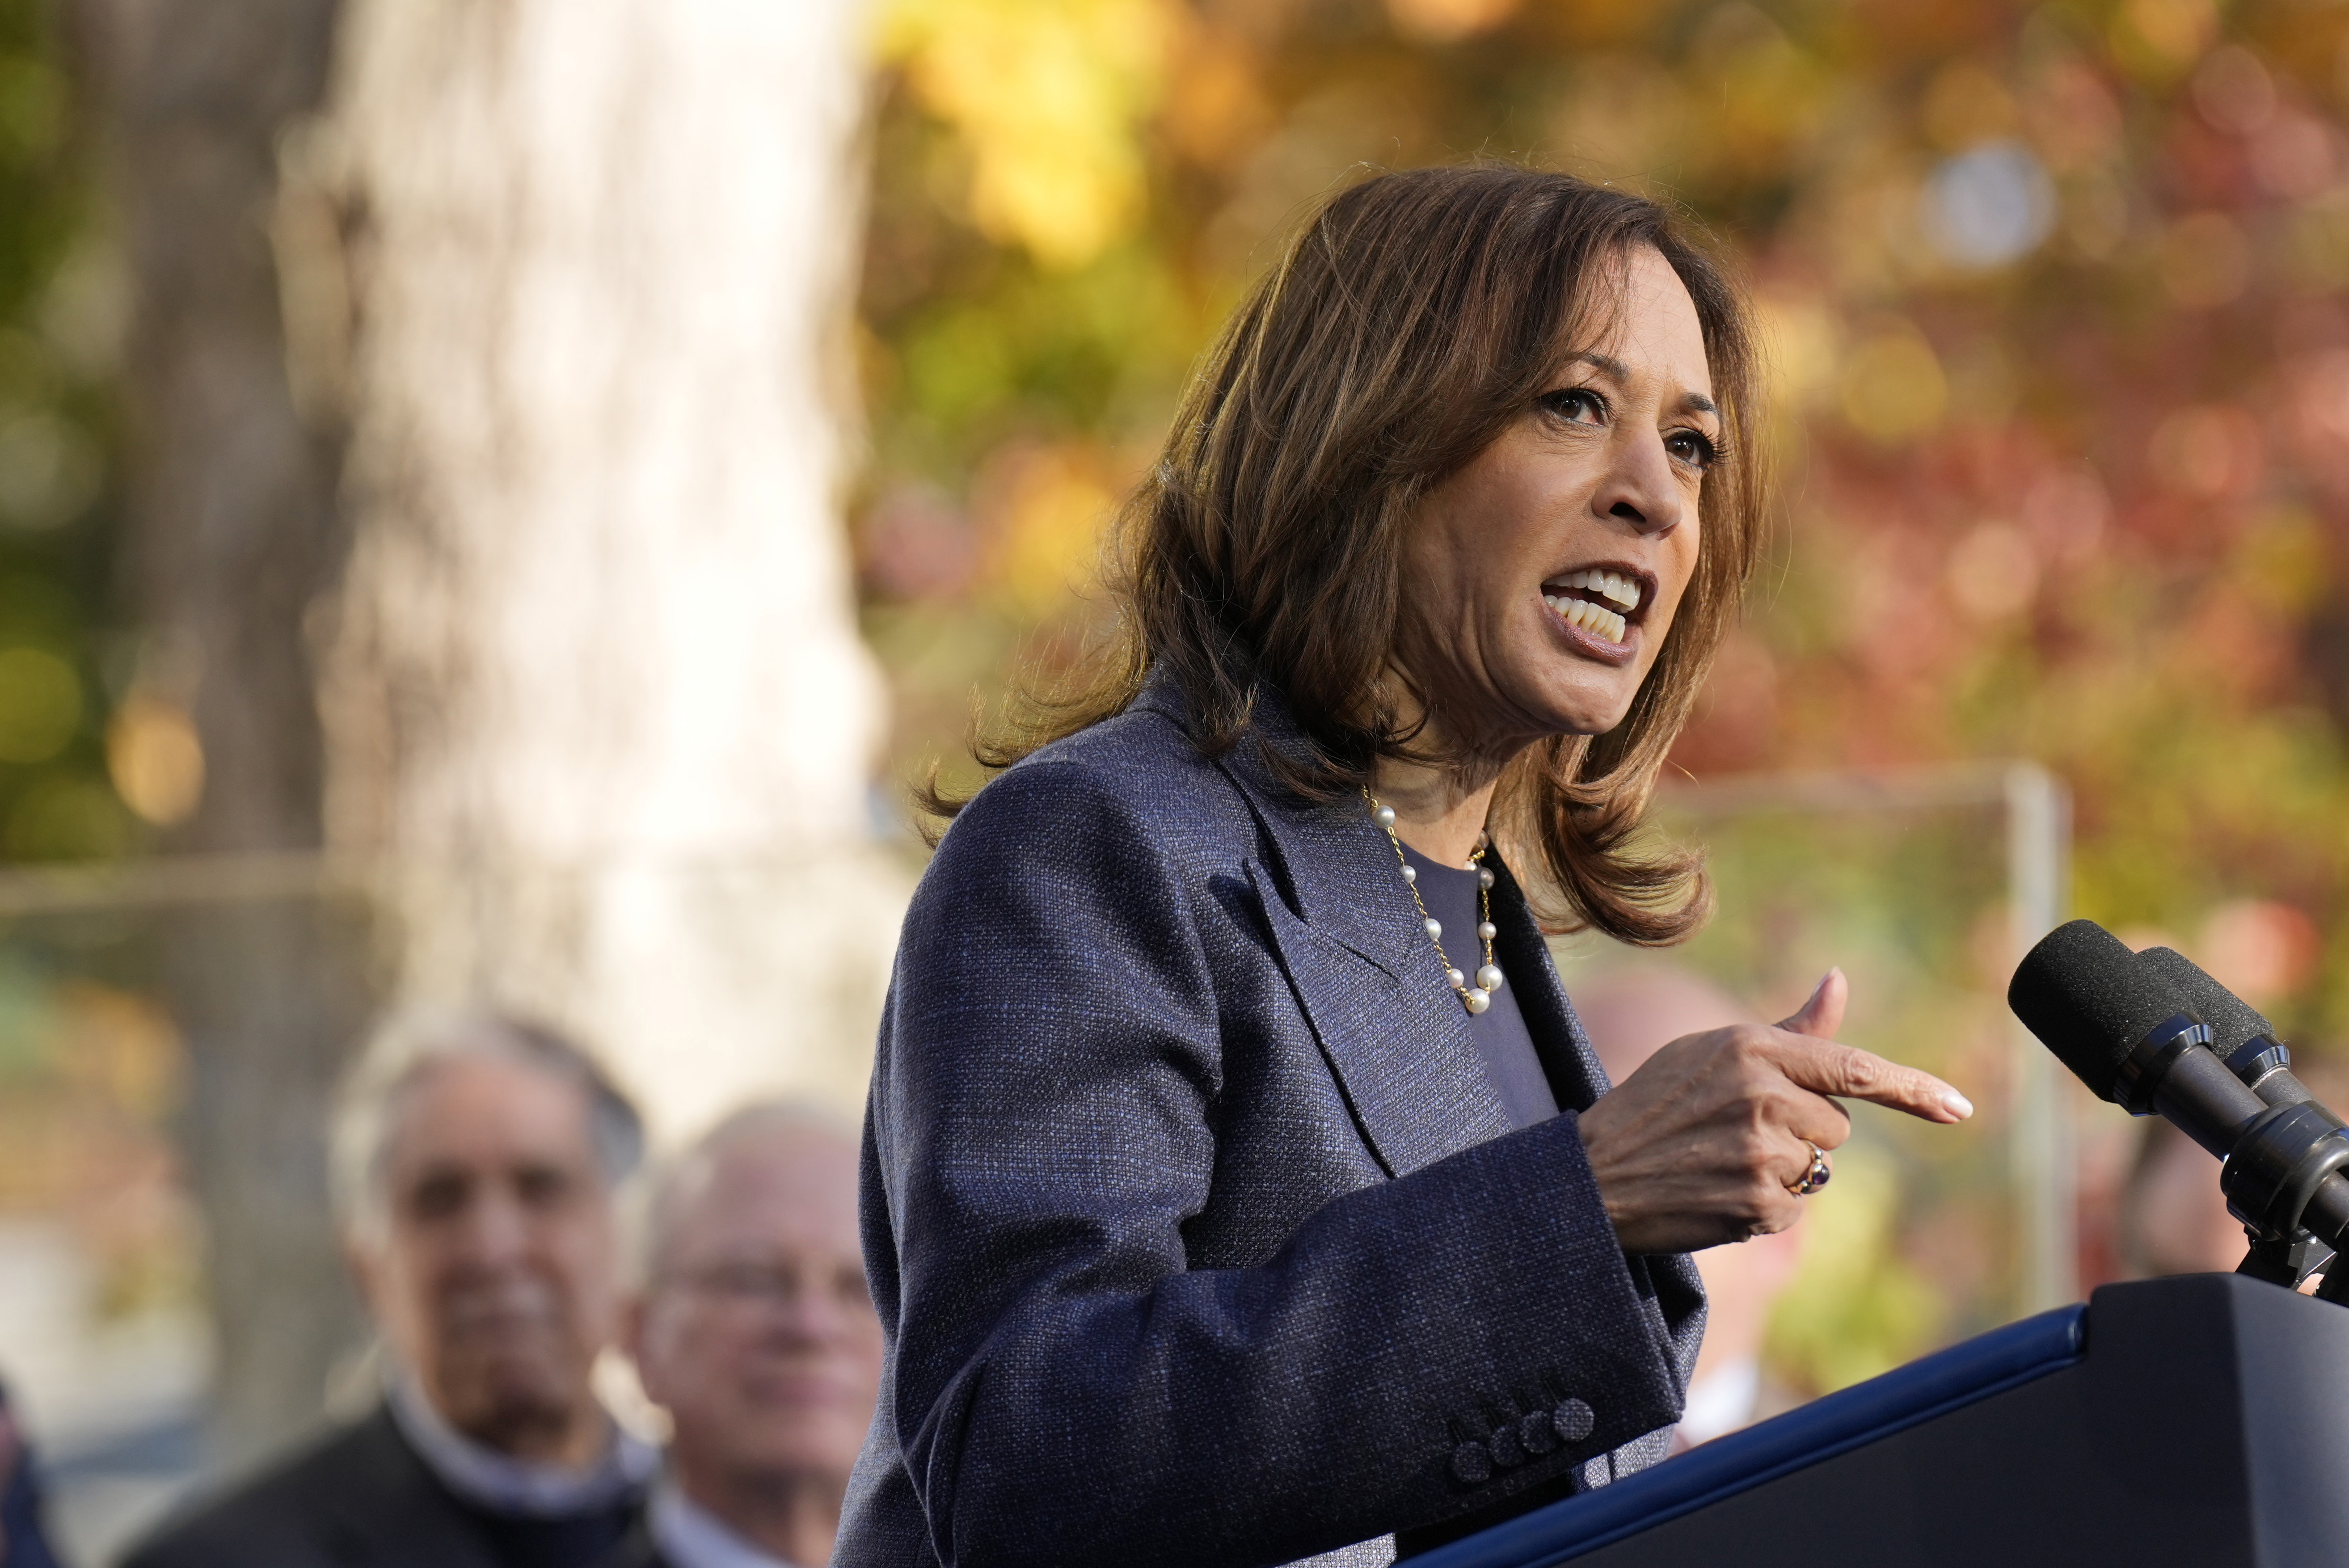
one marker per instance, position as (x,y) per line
(1413,317)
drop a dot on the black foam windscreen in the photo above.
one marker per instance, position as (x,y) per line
(2232,1020)
(2089,1001)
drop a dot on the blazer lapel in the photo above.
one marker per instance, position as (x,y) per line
(1410,1076)
(1347,931)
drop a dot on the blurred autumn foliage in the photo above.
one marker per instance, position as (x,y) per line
(2055,302)
(60,321)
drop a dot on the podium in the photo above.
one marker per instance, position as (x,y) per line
(2199,1420)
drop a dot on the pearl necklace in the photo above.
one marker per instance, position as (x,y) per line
(1479,996)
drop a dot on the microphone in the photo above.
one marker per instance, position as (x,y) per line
(2136,1038)
(2127,1035)
(2240,1035)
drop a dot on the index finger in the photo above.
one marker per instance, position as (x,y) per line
(1847,1072)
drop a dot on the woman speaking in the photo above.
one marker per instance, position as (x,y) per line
(1238,1183)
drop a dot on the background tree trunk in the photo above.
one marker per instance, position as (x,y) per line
(491,365)
(232,533)
(596,693)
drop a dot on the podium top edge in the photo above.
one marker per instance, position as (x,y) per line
(1973,1370)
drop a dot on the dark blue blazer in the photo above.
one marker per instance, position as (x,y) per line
(1197,1230)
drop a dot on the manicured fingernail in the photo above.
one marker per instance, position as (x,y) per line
(1956,1105)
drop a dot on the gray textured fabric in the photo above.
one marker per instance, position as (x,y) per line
(1197,1230)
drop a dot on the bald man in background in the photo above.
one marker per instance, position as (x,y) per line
(754,1330)
(1631,1015)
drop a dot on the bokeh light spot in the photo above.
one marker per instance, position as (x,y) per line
(2278,563)
(2066,510)
(2234,91)
(916,544)
(2296,157)
(2205,261)
(2207,452)
(156,761)
(2073,121)
(1048,98)
(1967,104)
(1216,110)
(1444,21)
(48,471)
(40,705)
(2096,216)
(122,1045)
(1047,526)
(1988,205)
(1994,573)
(1798,346)
(1893,389)
(67,818)
(2160,38)
(2260,950)
(34,110)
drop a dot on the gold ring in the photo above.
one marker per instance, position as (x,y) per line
(1816,1176)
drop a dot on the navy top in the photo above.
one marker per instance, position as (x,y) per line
(1454,899)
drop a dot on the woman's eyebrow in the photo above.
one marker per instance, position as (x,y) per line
(1615,370)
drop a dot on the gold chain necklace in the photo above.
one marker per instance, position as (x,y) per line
(1479,996)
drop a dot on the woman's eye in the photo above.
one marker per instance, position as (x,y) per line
(1578,405)
(1693,448)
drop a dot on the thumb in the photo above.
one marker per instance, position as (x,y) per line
(1821,1016)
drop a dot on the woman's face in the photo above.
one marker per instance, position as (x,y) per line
(1539,581)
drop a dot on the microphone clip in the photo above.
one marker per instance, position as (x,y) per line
(2285,1262)
(2140,1072)
(2279,1159)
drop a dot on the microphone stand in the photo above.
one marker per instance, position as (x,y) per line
(2279,1161)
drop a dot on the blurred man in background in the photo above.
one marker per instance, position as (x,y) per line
(1629,1016)
(755,1332)
(476,1164)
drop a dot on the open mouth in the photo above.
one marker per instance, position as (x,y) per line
(1604,601)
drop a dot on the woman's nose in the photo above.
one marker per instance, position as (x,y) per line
(1642,492)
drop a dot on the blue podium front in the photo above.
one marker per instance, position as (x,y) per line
(2196,1420)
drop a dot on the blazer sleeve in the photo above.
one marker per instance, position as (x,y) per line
(1064,1390)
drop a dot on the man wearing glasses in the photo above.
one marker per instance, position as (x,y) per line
(753,1329)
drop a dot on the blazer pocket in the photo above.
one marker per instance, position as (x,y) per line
(1417,1092)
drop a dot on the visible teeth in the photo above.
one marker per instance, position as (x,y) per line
(1595,619)
(1615,588)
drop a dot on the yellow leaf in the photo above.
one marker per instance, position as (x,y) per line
(1050,97)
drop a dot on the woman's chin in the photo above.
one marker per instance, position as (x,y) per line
(1575,708)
